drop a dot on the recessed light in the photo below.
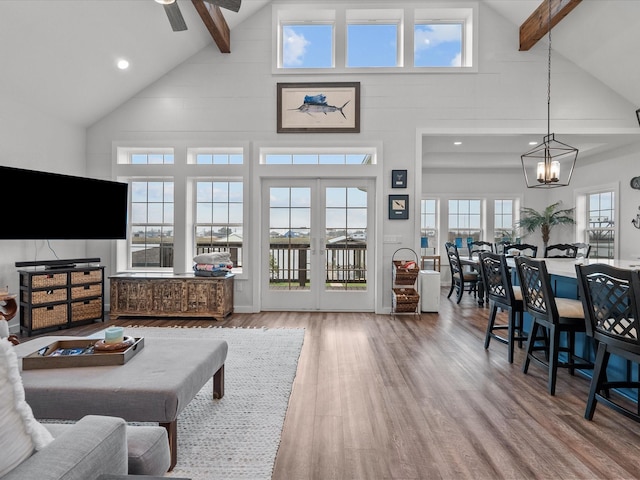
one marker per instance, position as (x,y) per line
(165,2)
(533,143)
(123,64)
(457,143)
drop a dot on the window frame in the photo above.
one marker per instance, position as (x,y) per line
(283,14)
(238,268)
(582,217)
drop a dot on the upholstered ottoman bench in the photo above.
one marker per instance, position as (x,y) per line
(155,385)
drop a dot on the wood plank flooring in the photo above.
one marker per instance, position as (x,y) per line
(418,397)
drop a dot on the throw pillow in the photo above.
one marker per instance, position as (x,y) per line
(20,433)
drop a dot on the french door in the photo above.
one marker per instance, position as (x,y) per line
(316,253)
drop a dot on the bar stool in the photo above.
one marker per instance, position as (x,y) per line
(549,315)
(502,295)
(610,297)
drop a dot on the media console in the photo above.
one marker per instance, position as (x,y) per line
(58,294)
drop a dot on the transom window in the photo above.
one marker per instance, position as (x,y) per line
(437,45)
(318,159)
(442,38)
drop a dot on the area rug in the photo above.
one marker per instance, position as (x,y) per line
(236,437)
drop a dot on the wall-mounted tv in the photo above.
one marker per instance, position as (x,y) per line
(51,206)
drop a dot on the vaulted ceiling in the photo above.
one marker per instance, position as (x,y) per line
(59,55)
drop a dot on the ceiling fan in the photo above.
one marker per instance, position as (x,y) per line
(177,20)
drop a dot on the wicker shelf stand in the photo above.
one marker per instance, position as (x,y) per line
(405,298)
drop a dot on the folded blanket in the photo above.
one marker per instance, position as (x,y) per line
(213,267)
(210,270)
(213,258)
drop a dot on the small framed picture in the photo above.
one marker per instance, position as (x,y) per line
(398,179)
(398,207)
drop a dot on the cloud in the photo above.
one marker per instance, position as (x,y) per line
(457,60)
(294,47)
(430,36)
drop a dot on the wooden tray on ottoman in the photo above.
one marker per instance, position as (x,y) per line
(43,358)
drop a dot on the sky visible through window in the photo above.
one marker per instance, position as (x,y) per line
(371,45)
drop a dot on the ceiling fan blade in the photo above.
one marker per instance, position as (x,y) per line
(175,17)
(233,5)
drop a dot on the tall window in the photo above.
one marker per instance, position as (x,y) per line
(428,225)
(601,224)
(219,219)
(465,220)
(152,209)
(503,221)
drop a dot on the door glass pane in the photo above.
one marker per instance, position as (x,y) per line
(346,238)
(289,227)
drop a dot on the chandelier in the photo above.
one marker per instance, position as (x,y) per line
(551,163)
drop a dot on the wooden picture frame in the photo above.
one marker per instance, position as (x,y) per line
(398,207)
(398,179)
(330,107)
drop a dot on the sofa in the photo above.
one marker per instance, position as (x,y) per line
(83,450)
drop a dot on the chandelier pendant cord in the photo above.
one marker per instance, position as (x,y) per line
(549,76)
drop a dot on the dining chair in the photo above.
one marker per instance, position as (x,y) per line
(610,298)
(504,296)
(478,246)
(582,249)
(561,250)
(461,278)
(525,249)
(501,246)
(551,317)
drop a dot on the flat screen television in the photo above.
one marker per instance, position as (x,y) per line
(52,206)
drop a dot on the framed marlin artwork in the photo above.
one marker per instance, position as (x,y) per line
(332,107)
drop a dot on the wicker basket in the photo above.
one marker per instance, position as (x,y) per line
(405,300)
(86,276)
(43,317)
(45,296)
(85,291)
(48,280)
(402,275)
(91,309)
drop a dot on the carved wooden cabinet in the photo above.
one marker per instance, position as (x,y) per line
(170,295)
(60,297)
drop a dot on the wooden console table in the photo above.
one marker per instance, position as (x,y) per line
(170,295)
(430,258)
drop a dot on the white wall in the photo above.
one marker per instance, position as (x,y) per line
(232,97)
(32,140)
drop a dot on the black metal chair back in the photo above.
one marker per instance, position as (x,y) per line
(561,250)
(582,250)
(501,247)
(525,249)
(461,280)
(610,298)
(477,247)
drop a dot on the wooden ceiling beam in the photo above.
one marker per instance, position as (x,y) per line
(215,23)
(537,25)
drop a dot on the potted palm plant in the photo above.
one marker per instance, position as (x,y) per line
(532,220)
